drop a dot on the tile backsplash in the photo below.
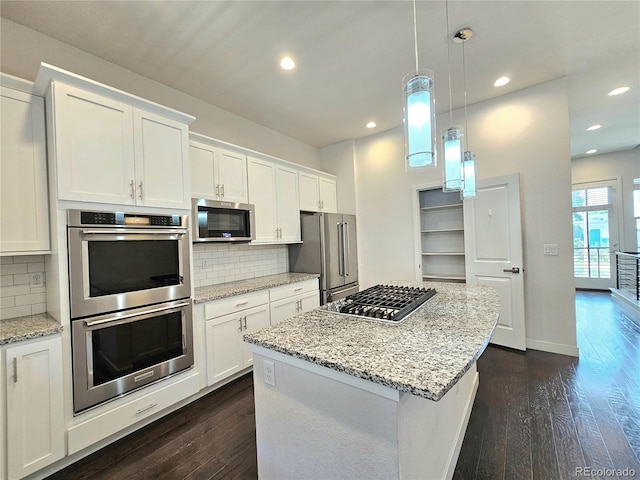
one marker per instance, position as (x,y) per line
(219,263)
(17,297)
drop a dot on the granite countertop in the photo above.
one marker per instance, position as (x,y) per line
(230,289)
(17,329)
(425,355)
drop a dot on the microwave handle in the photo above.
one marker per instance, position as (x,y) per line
(128,317)
(120,231)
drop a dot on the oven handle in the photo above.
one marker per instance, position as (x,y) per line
(120,231)
(128,317)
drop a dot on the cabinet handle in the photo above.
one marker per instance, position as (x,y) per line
(240,320)
(217,190)
(321,203)
(15,370)
(132,190)
(245,323)
(222,190)
(140,190)
(242,303)
(297,289)
(144,409)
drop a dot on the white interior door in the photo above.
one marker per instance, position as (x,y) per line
(493,249)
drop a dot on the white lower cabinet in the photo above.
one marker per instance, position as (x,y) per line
(294,299)
(35,411)
(226,321)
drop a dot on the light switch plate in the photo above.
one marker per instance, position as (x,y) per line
(551,249)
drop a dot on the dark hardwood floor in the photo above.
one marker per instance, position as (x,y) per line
(536,415)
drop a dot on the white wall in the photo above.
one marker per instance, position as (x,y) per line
(337,159)
(618,165)
(525,132)
(22,50)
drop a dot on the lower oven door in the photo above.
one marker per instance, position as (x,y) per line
(119,352)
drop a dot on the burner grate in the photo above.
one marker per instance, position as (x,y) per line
(390,303)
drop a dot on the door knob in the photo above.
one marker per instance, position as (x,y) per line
(512,270)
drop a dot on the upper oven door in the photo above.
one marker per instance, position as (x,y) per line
(118,268)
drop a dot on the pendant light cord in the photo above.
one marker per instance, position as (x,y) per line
(415,33)
(446,8)
(464,84)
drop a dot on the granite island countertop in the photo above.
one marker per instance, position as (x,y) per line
(425,355)
(17,329)
(230,289)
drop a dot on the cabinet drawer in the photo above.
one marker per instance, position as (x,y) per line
(291,289)
(234,304)
(108,423)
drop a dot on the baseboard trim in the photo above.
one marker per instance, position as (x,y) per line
(553,347)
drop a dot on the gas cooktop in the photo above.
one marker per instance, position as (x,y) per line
(385,303)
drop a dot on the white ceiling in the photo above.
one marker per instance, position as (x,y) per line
(351,56)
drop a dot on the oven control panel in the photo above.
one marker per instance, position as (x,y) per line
(78,218)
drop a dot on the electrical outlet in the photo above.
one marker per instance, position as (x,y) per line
(36,279)
(269,373)
(205,263)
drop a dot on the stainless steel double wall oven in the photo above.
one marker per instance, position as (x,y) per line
(130,301)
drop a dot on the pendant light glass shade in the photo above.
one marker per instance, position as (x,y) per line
(452,170)
(419,120)
(469,169)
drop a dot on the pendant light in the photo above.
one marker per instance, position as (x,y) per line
(469,158)
(419,113)
(451,137)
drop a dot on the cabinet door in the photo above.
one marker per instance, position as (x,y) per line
(232,176)
(93,146)
(262,193)
(23,174)
(287,204)
(309,193)
(328,195)
(35,410)
(283,309)
(309,301)
(201,159)
(253,319)
(161,166)
(224,348)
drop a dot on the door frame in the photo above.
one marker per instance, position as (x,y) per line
(415,203)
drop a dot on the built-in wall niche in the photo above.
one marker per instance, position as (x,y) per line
(441,235)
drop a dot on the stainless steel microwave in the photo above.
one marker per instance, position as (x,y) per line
(219,221)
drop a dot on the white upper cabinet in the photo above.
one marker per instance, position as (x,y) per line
(317,193)
(217,174)
(23,171)
(112,147)
(273,189)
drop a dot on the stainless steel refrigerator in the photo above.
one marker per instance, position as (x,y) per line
(329,247)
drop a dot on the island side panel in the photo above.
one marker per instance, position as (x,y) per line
(431,433)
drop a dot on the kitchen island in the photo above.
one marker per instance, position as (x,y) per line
(342,397)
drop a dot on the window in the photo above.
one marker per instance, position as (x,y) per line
(591,255)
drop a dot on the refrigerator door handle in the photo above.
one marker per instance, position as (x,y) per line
(340,249)
(347,257)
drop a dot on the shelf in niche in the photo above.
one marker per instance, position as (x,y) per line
(441,207)
(442,254)
(435,276)
(443,230)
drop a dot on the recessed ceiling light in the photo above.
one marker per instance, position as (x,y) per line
(589,152)
(618,91)
(594,127)
(371,125)
(287,63)
(501,82)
